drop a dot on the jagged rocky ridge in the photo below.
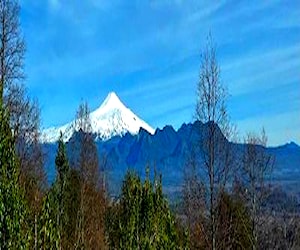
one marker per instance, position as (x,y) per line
(167,150)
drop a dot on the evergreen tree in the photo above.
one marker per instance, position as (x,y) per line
(142,219)
(63,171)
(49,235)
(71,207)
(234,223)
(13,210)
(54,217)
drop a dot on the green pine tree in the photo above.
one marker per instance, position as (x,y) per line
(63,170)
(49,235)
(54,218)
(142,218)
(13,210)
(71,207)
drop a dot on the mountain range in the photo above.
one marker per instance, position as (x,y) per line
(127,142)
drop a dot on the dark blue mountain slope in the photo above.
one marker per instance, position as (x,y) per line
(167,152)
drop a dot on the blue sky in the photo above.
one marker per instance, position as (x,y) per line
(148,52)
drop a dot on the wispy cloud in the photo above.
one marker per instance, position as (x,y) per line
(148,52)
(262,70)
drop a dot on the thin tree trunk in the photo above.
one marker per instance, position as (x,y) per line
(35,232)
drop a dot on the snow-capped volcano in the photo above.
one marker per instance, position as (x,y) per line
(110,119)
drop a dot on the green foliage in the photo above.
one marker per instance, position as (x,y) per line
(141,218)
(61,162)
(13,209)
(234,224)
(63,170)
(49,236)
(71,207)
(58,220)
(55,217)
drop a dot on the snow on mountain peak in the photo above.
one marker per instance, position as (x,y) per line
(111,101)
(112,118)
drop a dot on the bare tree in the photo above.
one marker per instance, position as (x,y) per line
(24,113)
(257,166)
(211,110)
(83,121)
(194,203)
(25,124)
(281,229)
(12,46)
(90,218)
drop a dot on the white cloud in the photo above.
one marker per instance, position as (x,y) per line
(261,69)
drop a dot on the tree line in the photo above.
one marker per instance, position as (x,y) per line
(224,194)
